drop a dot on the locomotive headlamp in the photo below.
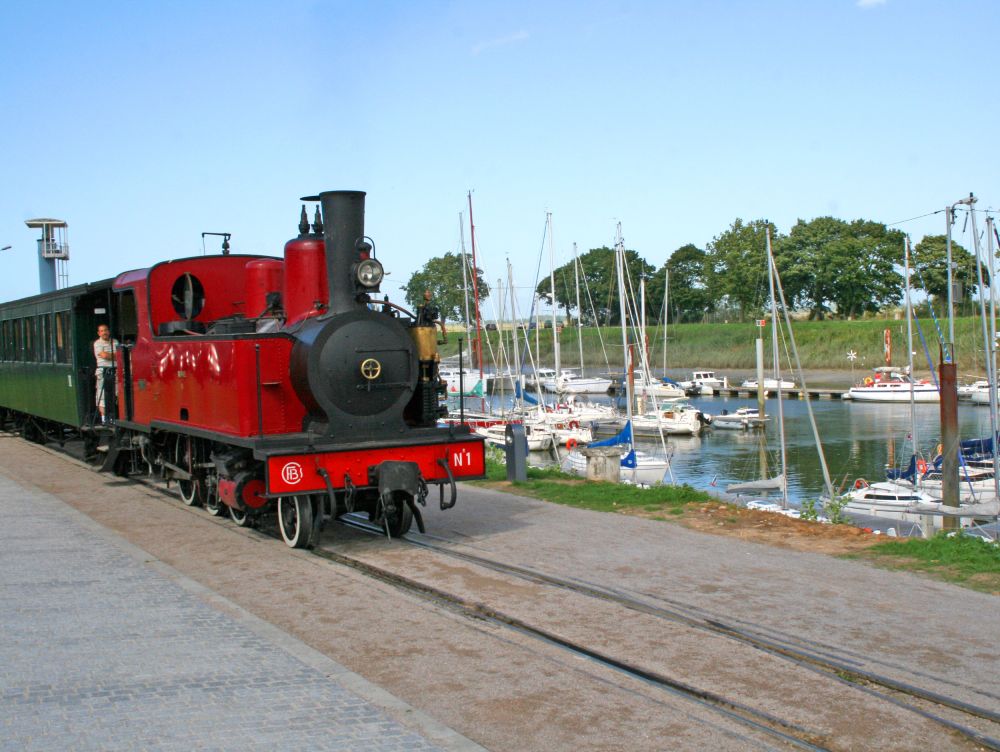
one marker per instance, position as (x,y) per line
(369,273)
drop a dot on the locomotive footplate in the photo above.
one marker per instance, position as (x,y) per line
(356,468)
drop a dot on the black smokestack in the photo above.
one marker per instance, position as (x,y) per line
(343,228)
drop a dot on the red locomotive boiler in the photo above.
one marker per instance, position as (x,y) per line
(259,383)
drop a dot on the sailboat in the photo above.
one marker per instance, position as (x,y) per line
(780,482)
(638,467)
(564,380)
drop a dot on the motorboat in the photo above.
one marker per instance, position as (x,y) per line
(464,382)
(539,437)
(966,391)
(890,498)
(570,382)
(672,419)
(889,384)
(544,378)
(648,386)
(741,419)
(980,395)
(703,383)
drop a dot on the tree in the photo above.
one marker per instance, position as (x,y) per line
(598,275)
(442,276)
(930,258)
(690,298)
(828,264)
(737,267)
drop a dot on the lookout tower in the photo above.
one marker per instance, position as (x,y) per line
(53,253)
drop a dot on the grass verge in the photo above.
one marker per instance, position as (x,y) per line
(551,484)
(961,559)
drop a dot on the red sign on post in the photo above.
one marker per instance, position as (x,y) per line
(761,323)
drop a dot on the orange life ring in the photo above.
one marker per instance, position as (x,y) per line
(574,424)
(868,381)
(571,444)
(860,483)
(921,466)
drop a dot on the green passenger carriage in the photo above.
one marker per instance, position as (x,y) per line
(47,360)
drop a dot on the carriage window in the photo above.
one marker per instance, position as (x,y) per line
(45,338)
(188,296)
(62,337)
(29,339)
(18,339)
(5,344)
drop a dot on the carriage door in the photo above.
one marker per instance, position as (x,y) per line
(125,330)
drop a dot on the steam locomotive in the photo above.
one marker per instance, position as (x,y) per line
(254,383)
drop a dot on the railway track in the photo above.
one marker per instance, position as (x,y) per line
(920,700)
(979,726)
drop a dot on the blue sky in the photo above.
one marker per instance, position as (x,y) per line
(144,124)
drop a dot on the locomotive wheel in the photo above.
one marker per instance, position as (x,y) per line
(400,519)
(192,491)
(295,518)
(212,504)
(240,516)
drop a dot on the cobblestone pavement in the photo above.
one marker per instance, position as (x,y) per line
(103,650)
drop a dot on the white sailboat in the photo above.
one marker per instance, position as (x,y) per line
(637,466)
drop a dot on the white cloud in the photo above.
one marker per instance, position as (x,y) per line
(870,3)
(517,36)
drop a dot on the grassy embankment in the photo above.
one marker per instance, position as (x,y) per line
(551,484)
(821,345)
(962,560)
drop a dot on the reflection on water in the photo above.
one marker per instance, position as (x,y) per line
(859,440)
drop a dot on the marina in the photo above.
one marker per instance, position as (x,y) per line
(859,439)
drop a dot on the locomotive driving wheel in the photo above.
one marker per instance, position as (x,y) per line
(295,520)
(213,505)
(240,516)
(192,492)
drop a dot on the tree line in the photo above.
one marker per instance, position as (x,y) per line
(828,267)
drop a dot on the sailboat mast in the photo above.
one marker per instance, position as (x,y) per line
(914,443)
(988,344)
(579,311)
(666,314)
(475,291)
(777,370)
(465,275)
(991,255)
(518,376)
(642,330)
(552,289)
(620,268)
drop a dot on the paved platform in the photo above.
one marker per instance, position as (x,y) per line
(103,649)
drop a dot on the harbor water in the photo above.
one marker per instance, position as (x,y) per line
(859,440)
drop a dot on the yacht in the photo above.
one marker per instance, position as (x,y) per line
(889,384)
(703,383)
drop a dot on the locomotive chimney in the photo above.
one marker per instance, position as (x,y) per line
(343,229)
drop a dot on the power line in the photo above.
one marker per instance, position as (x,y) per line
(911,219)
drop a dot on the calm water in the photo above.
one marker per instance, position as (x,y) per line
(858,439)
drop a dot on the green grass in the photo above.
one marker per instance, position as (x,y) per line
(962,559)
(821,345)
(551,484)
